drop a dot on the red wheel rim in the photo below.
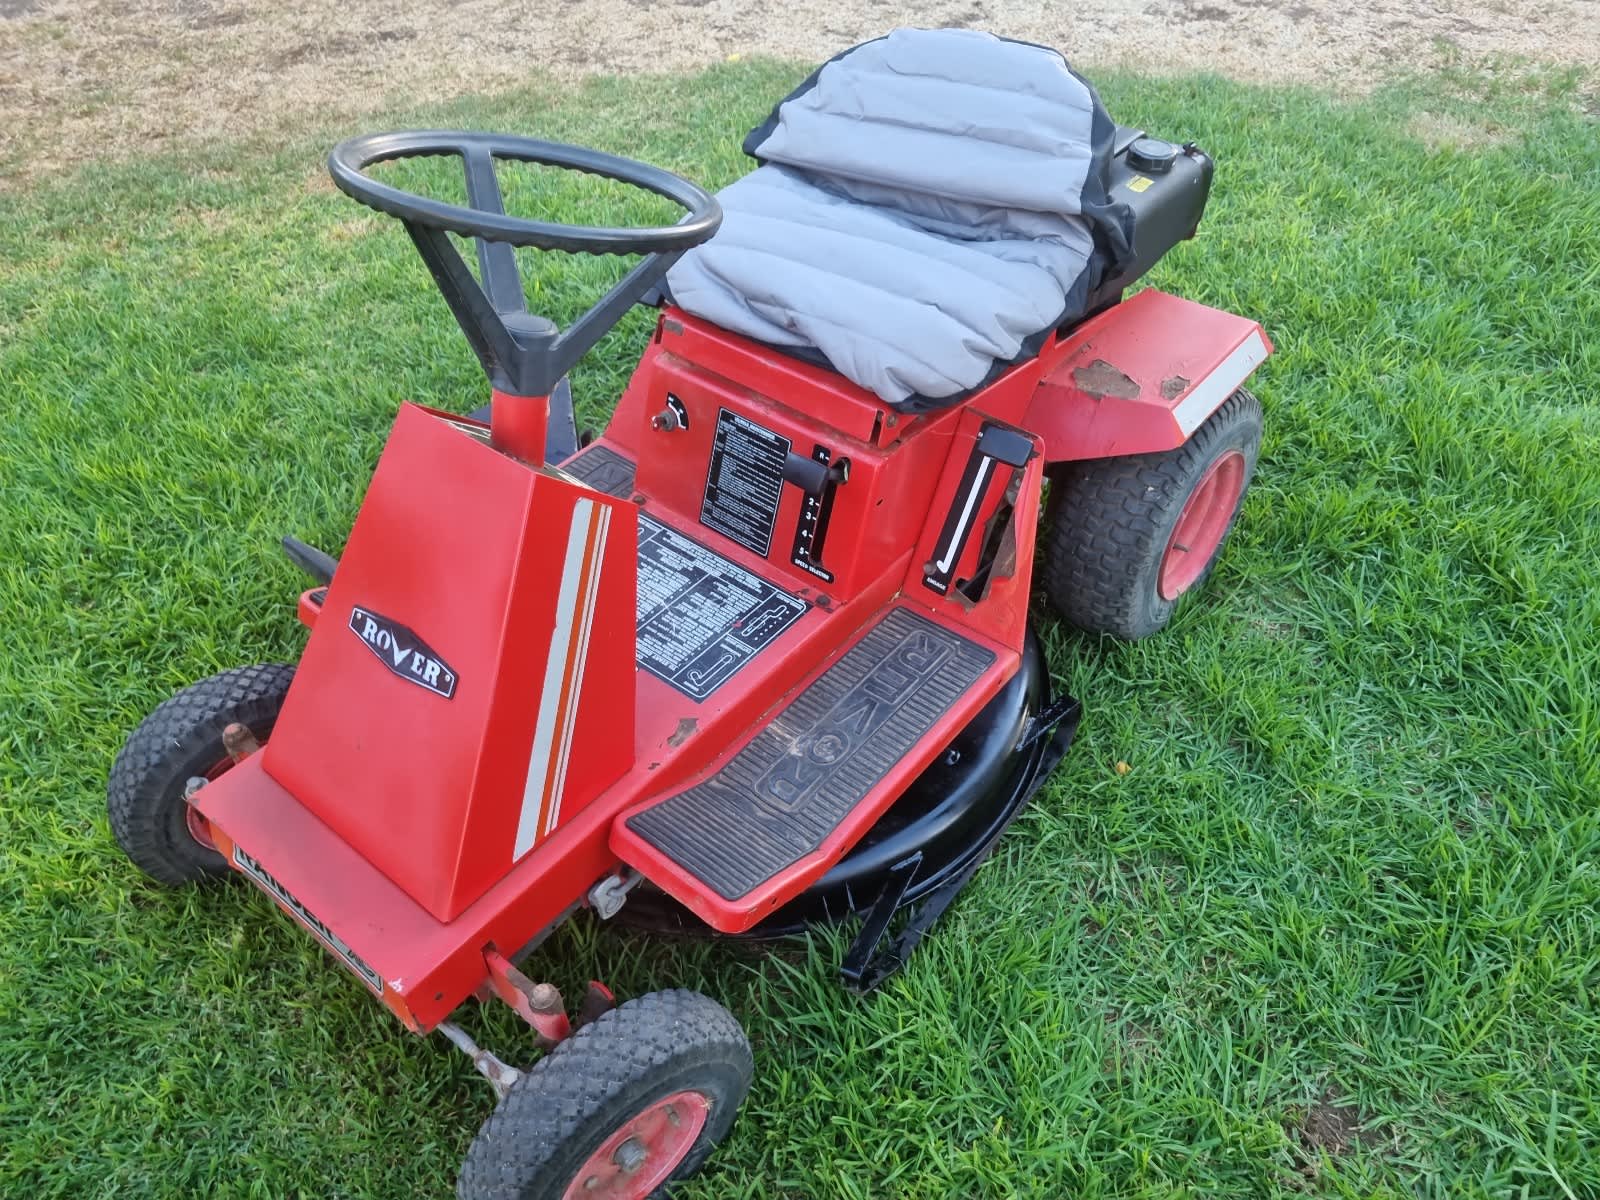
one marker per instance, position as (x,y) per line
(1201,525)
(199,827)
(643,1152)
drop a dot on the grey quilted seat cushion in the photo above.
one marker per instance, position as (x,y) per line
(929,203)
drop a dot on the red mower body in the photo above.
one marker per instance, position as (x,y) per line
(471,742)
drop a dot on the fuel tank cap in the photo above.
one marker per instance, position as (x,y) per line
(1151,155)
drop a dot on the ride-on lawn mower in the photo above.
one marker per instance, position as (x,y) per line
(758,655)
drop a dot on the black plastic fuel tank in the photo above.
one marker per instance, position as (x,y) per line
(1166,185)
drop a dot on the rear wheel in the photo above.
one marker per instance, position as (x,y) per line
(1130,537)
(624,1106)
(182,740)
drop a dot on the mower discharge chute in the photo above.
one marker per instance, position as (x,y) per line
(759,654)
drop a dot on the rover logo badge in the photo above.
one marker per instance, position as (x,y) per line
(403,652)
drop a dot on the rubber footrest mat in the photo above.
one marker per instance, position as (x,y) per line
(780,797)
(603,469)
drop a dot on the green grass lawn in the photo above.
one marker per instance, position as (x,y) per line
(1350,879)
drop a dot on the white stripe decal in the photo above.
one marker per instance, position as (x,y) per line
(580,660)
(979,481)
(533,791)
(579,664)
(1216,387)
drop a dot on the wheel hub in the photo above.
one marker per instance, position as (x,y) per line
(630,1155)
(200,828)
(1202,525)
(643,1152)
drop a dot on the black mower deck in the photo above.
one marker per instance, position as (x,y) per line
(780,797)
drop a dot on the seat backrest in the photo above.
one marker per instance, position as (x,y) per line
(967,134)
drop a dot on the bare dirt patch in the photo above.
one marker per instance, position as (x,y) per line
(85,78)
(1329,1127)
(1446,131)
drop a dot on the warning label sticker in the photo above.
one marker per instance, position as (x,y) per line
(304,915)
(745,481)
(702,617)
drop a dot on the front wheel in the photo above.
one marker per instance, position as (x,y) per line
(182,740)
(1129,537)
(621,1108)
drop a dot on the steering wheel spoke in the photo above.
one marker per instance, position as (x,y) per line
(497,261)
(483,186)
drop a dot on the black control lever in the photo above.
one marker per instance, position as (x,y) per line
(814,476)
(818,477)
(996,446)
(318,564)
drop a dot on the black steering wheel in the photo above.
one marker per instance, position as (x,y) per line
(486,218)
(523,354)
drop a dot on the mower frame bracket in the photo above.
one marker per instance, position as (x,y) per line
(539,1004)
(863,969)
(865,966)
(501,1075)
(1060,717)
(609,895)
